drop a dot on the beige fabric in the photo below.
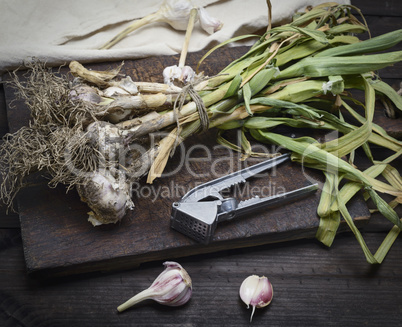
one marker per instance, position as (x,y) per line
(58,31)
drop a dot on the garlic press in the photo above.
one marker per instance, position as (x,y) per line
(199,211)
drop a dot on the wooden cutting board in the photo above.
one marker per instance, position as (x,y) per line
(58,240)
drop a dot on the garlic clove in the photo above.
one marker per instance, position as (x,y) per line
(187,75)
(170,74)
(209,23)
(257,292)
(173,287)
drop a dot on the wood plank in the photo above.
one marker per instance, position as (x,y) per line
(390,8)
(379,25)
(313,286)
(7,219)
(3,112)
(55,230)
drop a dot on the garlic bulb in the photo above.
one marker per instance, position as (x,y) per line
(108,197)
(107,190)
(256,291)
(177,12)
(106,138)
(174,12)
(173,287)
(84,93)
(174,75)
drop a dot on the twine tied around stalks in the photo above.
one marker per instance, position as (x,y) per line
(201,108)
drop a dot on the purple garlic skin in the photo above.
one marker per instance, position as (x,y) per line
(257,292)
(173,287)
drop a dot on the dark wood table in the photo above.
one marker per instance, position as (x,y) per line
(313,285)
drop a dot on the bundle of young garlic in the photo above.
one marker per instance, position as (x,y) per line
(298,75)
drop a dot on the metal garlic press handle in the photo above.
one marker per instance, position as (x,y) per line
(257,203)
(230,208)
(212,188)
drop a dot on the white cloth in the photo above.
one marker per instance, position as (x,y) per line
(58,31)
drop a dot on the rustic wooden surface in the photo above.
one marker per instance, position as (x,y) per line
(314,285)
(54,225)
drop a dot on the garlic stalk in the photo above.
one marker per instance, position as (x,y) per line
(189,30)
(256,291)
(174,12)
(103,80)
(182,74)
(173,287)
